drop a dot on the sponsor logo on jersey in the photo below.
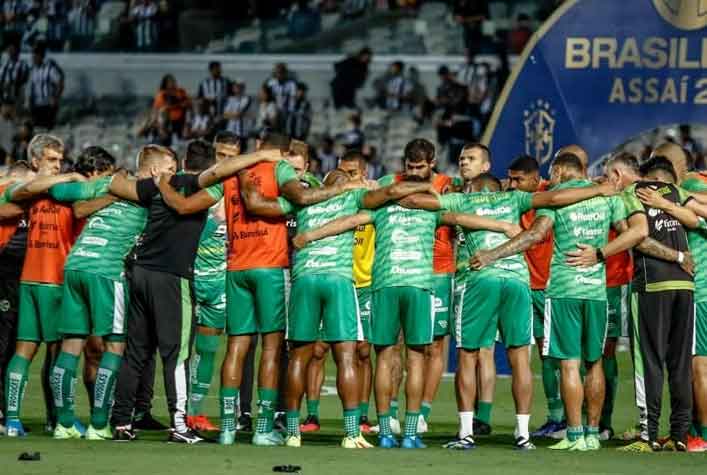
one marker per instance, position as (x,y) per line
(587,232)
(94,240)
(329,209)
(494,211)
(97,223)
(323,251)
(400,255)
(580,279)
(401,237)
(670,225)
(587,216)
(81,252)
(397,270)
(405,220)
(314,264)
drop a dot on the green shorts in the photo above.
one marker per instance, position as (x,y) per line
(38,318)
(210,296)
(93,305)
(619,302)
(487,305)
(538,297)
(442,291)
(408,308)
(575,329)
(700,329)
(256,300)
(323,307)
(364,305)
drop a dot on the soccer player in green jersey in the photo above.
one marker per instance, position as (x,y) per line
(95,294)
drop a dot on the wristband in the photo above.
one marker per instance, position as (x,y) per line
(681,257)
(600,255)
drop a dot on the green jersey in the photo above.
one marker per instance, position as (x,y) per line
(404,241)
(501,206)
(109,233)
(462,253)
(698,244)
(331,255)
(210,261)
(586,222)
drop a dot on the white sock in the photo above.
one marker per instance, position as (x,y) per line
(522,421)
(466,424)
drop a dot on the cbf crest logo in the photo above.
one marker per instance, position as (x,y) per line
(683,14)
(539,123)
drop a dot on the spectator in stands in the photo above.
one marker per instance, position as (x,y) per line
(82,24)
(419,100)
(686,141)
(174,101)
(200,122)
(154,128)
(268,112)
(354,8)
(470,14)
(283,89)
(214,89)
(326,155)
(398,89)
(451,95)
(350,75)
(46,87)
(238,112)
(14,73)
(21,140)
(354,137)
(143,15)
(375,167)
(315,168)
(520,34)
(14,15)
(55,12)
(303,20)
(299,118)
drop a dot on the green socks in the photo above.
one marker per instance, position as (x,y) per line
(410,427)
(363,409)
(63,383)
(266,404)
(590,431)
(104,388)
(228,398)
(425,410)
(551,385)
(575,433)
(292,418)
(384,424)
(202,370)
(15,384)
(611,373)
(483,412)
(351,426)
(393,408)
(313,407)
(703,431)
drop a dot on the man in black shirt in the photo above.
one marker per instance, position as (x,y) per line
(471,15)
(350,75)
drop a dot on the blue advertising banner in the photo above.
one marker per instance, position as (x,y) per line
(599,72)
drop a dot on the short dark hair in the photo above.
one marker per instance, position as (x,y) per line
(353,154)
(399,64)
(272,139)
(626,159)
(226,137)
(568,160)
(480,146)
(418,150)
(301,86)
(443,70)
(658,164)
(94,159)
(525,164)
(214,64)
(487,181)
(199,156)
(40,47)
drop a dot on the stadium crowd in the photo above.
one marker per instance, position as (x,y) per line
(171,256)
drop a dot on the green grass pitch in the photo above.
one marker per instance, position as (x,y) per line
(321,453)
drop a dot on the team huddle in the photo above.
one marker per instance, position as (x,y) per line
(119,267)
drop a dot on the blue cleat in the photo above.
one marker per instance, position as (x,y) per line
(414,442)
(551,429)
(387,442)
(80,427)
(15,428)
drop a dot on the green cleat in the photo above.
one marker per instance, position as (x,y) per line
(99,434)
(227,437)
(65,433)
(269,439)
(565,444)
(592,442)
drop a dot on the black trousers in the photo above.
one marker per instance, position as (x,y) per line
(662,337)
(8,328)
(161,318)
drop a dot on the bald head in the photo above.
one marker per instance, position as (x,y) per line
(677,155)
(578,152)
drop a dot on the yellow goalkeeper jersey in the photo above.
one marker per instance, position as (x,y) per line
(363,254)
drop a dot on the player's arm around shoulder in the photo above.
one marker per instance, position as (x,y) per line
(333,228)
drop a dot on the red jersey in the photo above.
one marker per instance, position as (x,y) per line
(619,267)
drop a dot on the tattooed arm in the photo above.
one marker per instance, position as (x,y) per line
(536,233)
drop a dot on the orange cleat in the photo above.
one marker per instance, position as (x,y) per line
(201,423)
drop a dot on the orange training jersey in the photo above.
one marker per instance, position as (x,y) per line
(539,255)
(253,241)
(52,231)
(619,267)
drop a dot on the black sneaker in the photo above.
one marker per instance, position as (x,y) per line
(149,423)
(245,423)
(124,434)
(280,422)
(187,437)
(481,428)
(524,444)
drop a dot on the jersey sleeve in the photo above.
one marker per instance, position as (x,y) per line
(75,191)
(7,195)
(386,180)
(215,191)
(146,190)
(287,207)
(684,196)
(284,172)
(524,201)
(358,195)
(618,209)
(451,202)
(632,204)
(546,212)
